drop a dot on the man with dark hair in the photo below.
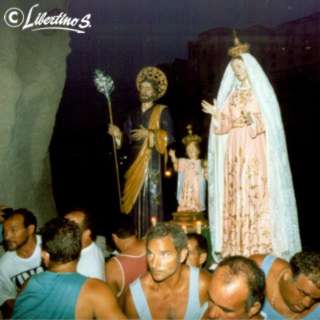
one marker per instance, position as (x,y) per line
(170,289)
(61,292)
(292,289)
(236,290)
(91,262)
(197,250)
(23,257)
(126,267)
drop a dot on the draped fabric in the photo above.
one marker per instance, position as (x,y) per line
(142,194)
(280,209)
(138,171)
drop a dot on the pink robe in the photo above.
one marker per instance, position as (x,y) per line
(246,228)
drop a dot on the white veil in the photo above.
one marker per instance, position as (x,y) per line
(282,204)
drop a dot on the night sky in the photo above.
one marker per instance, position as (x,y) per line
(125,36)
(132,33)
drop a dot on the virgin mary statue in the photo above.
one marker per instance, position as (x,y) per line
(252,207)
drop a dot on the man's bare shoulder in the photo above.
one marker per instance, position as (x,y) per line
(112,260)
(258,258)
(95,287)
(97,298)
(204,275)
(278,265)
(112,265)
(113,275)
(204,281)
(204,278)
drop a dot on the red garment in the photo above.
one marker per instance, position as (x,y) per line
(131,268)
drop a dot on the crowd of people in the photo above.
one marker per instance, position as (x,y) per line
(61,273)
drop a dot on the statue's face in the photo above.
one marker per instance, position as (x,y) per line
(239,69)
(192,151)
(147,93)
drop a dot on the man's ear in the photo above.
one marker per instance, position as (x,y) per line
(183,255)
(203,258)
(115,239)
(31,229)
(87,234)
(45,256)
(255,309)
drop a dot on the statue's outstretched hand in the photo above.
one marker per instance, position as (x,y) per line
(210,108)
(173,157)
(172,153)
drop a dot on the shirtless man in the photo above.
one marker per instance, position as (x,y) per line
(61,292)
(292,289)
(170,289)
(131,262)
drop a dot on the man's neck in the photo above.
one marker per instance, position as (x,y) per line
(63,267)
(86,243)
(27,249)
(131,246)
(145,106)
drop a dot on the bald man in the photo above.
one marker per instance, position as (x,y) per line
(236,290)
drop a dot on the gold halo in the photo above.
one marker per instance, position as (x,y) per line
(155,75)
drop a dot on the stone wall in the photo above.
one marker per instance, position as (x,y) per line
(32,76)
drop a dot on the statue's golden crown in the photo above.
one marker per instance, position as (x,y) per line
(238,47)
(190,137)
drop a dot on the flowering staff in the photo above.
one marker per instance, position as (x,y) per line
(105,85)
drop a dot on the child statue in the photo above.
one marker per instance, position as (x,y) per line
(191,191)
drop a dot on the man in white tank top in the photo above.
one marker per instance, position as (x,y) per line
(170,289)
